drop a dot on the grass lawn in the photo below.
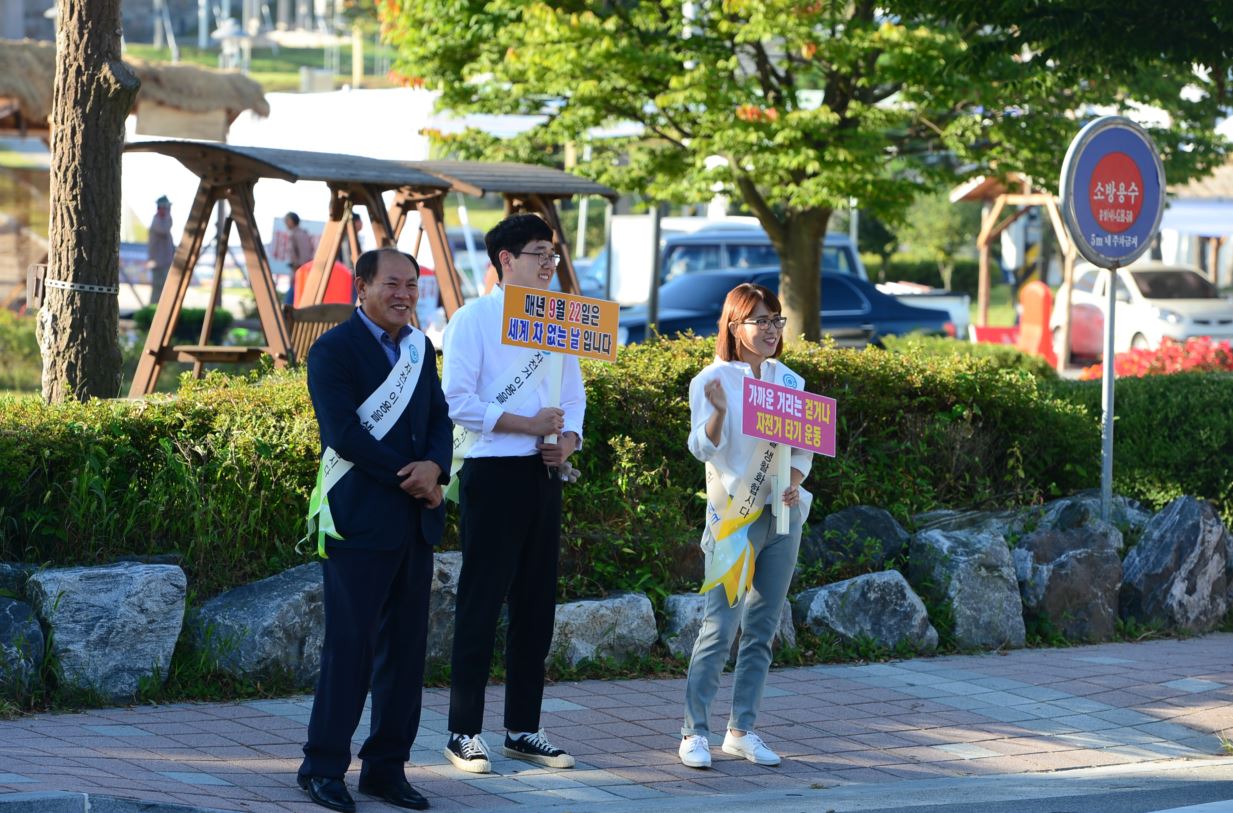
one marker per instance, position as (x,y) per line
(1001,308)
(276,70)
(17,159)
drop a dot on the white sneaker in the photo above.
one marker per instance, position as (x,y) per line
(751,747)
(695,751)
(468,754)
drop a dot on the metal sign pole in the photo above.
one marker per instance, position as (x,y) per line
(1106,402)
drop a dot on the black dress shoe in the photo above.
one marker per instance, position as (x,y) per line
(331,793)
(397,791)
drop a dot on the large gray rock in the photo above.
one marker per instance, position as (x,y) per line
(972,573)
(111,626)
(1082,510)
(1060,514)
(21,645)
(683,621)
(877,606)
(1070,578)
(861,536)
(442,604)
(273,625)
(947,519)
(13,577)
(1177,573)
(613,627)
(1228,568)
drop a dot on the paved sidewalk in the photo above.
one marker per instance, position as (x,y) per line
(922,719)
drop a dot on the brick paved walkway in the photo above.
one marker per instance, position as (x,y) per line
(1029,710)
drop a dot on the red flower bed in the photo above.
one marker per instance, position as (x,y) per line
(1199,355)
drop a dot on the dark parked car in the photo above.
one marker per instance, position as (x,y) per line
(854,312)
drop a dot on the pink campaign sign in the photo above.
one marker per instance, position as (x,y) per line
(789,416)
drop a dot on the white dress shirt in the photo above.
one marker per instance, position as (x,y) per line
(734,450)
(475,358)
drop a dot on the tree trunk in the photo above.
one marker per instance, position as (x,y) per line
(94,90)
(946,270)
(800,288)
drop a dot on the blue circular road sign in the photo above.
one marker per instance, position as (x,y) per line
(1113,189)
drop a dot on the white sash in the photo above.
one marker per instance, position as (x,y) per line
(510,391)
(378,414)
(725,538)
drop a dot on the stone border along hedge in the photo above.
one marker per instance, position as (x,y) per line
(985,575)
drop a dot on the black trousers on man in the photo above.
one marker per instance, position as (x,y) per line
(376,611)
(511,539)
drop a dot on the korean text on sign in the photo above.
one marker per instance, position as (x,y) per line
(562,323)
(789,416)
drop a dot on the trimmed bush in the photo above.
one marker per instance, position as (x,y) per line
(21,366)
(188,327)
(1001,356)
(221,472)
(1199,354)
(1173,436)
(914,433)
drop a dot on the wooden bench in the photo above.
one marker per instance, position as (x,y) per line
(216,354)
(305,325)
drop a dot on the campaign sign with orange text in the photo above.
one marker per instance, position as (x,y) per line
(560,323)
(789,416)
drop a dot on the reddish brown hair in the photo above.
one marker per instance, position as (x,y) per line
(739,304)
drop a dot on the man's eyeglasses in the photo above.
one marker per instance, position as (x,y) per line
(548,259)
(767,322)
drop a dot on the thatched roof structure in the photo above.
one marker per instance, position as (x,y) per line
(197,89)
(26,72)
(28,68)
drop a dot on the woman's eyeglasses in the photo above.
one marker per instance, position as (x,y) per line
(767,322)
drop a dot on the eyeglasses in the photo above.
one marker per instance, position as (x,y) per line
(547,259)
(767,322)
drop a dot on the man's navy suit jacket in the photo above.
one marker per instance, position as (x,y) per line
(370,511)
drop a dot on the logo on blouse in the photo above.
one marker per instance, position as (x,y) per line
(789,380)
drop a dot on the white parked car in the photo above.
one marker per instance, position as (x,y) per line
(1154,300)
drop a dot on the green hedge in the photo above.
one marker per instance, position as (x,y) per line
(914,433)
(1001,356)
(221,472)
(21,366)
(188,326)
(1173,435)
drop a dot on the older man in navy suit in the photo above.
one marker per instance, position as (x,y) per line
(386,435)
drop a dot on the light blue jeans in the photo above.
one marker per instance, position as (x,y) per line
(757,616)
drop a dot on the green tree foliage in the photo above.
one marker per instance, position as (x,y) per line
(807,104)
(1111,37)
(937,229)
(360,14)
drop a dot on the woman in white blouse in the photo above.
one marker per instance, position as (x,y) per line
(750,340)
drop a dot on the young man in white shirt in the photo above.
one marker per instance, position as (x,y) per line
(510,501)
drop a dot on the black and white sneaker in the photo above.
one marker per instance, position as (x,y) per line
(468,753)
(536,748)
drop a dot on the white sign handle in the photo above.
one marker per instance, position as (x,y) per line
(556,370)
(783,479)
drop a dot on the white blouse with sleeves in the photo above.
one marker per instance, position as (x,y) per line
(735,448)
